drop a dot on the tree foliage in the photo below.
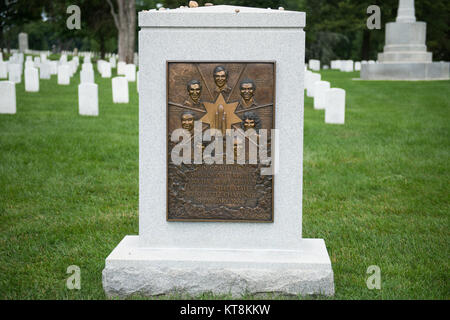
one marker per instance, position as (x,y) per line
(334,28)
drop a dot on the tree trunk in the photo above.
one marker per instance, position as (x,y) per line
(125,21)
(365,48)
(102,46)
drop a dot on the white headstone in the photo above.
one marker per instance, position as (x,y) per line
(31,79)
(314,64)
(64,74)
(307,78)
(113,62)
(357,66)
(53,67)
(347,66)
(37,62)
(14,71)
(87,76)
(45,70)
(87,65)
(29,64)
(313,78)
(120,90)
(335,110)
(3,70)
(8,97)
(100,64)
(121,68)
(23,42)
(88,99)
(320,94)
(106,70)
(130,72)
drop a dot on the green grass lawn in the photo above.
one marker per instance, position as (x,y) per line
(376,189)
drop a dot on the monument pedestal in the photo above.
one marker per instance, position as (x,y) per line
(405,55)
(405,71)
(202,255)
(133,269)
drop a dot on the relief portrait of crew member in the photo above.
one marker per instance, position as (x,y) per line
(220,75)
(194,89)
(247,88)
(187,121)
(250,120)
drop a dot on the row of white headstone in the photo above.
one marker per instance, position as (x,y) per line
(87,90)
(341,65)
(332,100)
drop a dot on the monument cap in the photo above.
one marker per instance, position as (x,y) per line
(222,16)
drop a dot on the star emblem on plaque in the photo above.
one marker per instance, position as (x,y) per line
(219,95)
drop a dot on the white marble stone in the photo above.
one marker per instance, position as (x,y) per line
(121,67)
(23,42)
(106,70)
(14,72)
(53,67)
(88,99)
(314,64)
(211,256)
(405,55)
(87,65)
(3,70)
(100,64)
(87,76)
(8,97)
(44,71)
(137,81)
(31,79)
(29,64)
(306,79)
(320,94)
(64,74)
(63,59)
(73,67)
(130,72)
(312,79)
(120,90)
(113,62)
(347,66)
(357,66)
(37,62)
(335,64)
(335,106)
(131,269)
(406,11)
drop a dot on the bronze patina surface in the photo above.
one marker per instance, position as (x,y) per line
(221,95)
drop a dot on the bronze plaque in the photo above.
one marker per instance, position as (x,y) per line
(219,95)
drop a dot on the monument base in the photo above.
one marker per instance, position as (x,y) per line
(131,269)
(406,71)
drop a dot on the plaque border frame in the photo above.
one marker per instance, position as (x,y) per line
(274,65)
